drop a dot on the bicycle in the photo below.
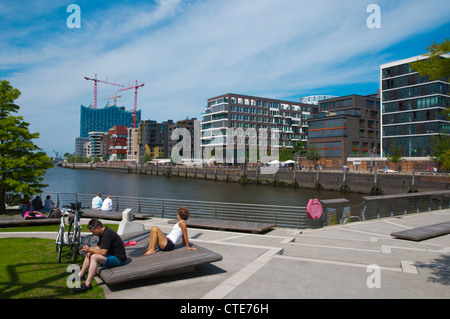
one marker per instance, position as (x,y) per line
(61,238)
(74,236)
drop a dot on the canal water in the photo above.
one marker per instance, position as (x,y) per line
(66,180)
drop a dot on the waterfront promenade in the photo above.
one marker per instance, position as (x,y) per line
(333,262)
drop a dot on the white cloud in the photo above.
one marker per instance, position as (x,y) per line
(188,52)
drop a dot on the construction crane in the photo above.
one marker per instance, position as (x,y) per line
(115,97)
(135,98)
(101,81)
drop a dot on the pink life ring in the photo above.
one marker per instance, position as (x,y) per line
(314,209)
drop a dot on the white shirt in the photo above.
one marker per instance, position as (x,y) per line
(107,204)
(176,234)
(97,202)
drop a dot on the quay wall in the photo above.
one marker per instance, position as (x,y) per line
(355,182)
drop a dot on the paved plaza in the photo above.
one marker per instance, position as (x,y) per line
(357,260)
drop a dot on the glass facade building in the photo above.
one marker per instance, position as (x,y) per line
(101,120)
(412,108)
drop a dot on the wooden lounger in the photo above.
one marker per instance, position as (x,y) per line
(19,221)
(139,266)
(425,232)
(114,215)
(232,225)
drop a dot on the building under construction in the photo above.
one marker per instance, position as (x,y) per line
(101,120)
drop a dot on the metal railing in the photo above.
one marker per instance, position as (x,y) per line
(281,216)
(373,207)
(403,204)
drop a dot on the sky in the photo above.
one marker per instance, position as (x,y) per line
(186,51)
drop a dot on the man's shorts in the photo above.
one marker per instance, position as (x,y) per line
(112,261)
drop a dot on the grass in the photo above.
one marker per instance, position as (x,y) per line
(49,228)
(29,270)
(29,267)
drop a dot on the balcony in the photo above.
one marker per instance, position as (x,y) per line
(216,109)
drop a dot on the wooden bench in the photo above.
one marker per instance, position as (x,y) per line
(111,215)
(139,266)
(233,225)
(19,221)
(425,232)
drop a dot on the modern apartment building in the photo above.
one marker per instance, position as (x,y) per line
(132,145)
(82,146)
(98,144)
(101,120)
(152,138)
(192,127)
(315,99)
(346,126)
(233,111)
(412,108)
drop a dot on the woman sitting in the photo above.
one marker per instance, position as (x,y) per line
(178,233)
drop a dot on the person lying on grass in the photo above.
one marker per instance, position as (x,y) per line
(178,233)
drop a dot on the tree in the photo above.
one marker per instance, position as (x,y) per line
(22,163)
(313,153)
(435,67)
(446,160)
(300,148)
(439,145)
(286,154)
(395,154)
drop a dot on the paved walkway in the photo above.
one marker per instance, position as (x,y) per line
(356,260)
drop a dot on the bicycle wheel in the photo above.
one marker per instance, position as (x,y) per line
(70,232)
(76,243)
(60,242)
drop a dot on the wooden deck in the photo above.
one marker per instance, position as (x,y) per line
(19,221)
(232,225)
(114,215)
(422,233)
(162,263)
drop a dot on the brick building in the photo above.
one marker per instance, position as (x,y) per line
(346,126)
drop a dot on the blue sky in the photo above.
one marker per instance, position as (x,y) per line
(186,51)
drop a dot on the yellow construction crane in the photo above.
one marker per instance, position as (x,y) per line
(115,97)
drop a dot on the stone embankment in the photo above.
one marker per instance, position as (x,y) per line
(363,182)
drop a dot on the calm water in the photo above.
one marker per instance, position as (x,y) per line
(65,180)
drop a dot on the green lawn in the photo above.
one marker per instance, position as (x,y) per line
(29,269)
(47,228)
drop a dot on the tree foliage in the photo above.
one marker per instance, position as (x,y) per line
(439,145)
(313,153)
(395,154)
(435,67)
(22,163)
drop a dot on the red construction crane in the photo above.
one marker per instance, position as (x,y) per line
(135,99)
(95,86)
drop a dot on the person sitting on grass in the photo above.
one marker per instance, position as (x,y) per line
(109,252)
(178,233)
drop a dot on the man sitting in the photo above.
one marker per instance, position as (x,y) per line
(109,252)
